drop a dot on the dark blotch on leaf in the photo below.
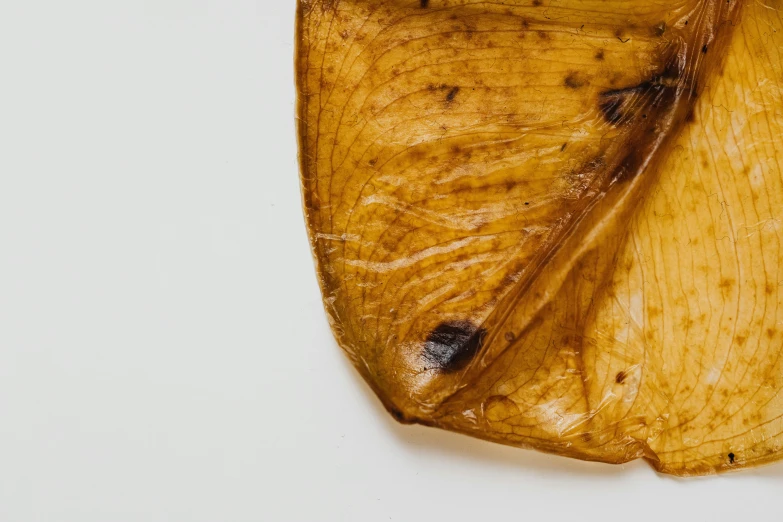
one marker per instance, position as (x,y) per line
(731,458)
(452,345)
(424,3)
(611,109)
(622,105)
(620,378)
(397,414)
(452,94)
(613,102)
(573,81)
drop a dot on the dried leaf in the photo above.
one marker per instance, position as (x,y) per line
(555,225)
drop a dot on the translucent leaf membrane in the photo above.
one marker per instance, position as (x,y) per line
(554,224)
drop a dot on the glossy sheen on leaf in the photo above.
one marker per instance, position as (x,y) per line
(555,224)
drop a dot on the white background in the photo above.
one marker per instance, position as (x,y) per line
(163,351)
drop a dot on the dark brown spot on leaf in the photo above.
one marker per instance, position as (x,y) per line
(451,346)
(574,80)
(611,109)
(397,414)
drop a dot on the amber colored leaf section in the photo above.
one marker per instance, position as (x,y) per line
(555,225)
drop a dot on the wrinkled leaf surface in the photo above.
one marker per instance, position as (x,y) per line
(555,224)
